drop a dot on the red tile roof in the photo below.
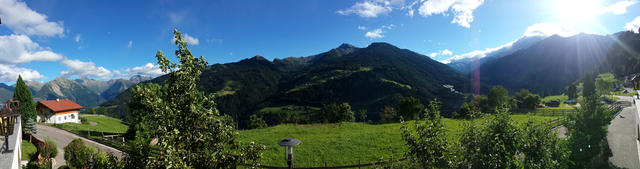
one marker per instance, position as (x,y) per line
(62,105)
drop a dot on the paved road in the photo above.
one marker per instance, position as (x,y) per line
(63,138)
(622,137)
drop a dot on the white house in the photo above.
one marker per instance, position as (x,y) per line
(58,111)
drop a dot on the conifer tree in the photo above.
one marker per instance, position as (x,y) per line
(27,106)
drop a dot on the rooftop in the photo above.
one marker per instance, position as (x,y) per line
(60,105)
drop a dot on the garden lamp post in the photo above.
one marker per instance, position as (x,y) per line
(7,122)
(289,143)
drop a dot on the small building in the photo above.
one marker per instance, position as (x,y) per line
(58,111)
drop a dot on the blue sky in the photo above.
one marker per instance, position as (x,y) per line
(45,39)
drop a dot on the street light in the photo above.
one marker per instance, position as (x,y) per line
(7,122)
(289,143)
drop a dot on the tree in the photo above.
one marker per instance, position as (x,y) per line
(410,108)
(27,106)
(572,92)
(526,99)
(387,114)
(188,127)
(468,110)
(334,113)
(428,145)
(542,148)
(89,111)
(588,85)
(498,96)
(362,115)
(102,110)
(482,102)
(605,83)
(587,128)
(256,122)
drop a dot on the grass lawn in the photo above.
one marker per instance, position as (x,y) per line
(103,124)
(28,149)
(344,143)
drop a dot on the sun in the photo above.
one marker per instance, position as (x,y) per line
(576,12)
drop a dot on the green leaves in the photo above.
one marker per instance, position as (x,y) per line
(428,145)
(190,131)
(27,106)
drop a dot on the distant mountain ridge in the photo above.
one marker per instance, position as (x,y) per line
(549,65)
(472,60)
(85,91)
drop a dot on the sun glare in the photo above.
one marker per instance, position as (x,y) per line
(576,12)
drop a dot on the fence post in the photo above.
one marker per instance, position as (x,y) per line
(359,164)
(325,164)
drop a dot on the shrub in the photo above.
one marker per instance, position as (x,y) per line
(49,150)
(410,108)
(428,144)
(388,114)
(256,122)
(77,155)
(333,113)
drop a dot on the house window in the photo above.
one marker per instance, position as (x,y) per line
(65,117)
(73,116)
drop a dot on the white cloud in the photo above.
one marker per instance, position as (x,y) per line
(462,10)
(88,69)
(189,39)
(368,9)
(619,7)
(376,33)
(19,49)
(10,73)
(77,38)
(445,52)
(633,25)
(548,29)
(22,19)
(362,28)
(130,44)
(148,69)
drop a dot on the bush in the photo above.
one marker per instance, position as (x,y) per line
(49,150)
(334,113)
(77,155)
(467,110)
(388,114)
(410,108)
(256,122)
(83,120)
(39,165)
(428,144)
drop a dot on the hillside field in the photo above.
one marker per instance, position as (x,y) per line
(344,143)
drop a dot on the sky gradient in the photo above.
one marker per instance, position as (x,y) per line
(45,39)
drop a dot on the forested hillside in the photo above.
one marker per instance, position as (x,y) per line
(367,78)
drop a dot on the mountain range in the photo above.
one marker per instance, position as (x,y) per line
(87,92)
(367,78)
(546,66)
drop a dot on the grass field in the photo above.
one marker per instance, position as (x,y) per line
(28,149)
(344,143)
